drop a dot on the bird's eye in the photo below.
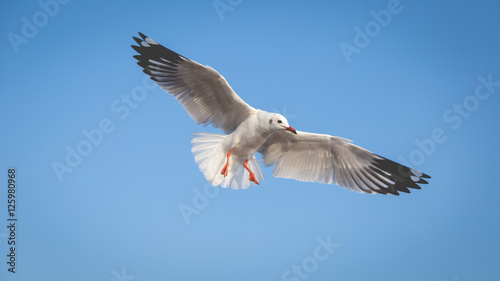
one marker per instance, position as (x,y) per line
(279,121)
(270,121)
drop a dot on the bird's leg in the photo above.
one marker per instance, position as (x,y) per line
(226,167)
(252,175)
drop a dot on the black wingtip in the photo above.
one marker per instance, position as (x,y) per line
(137,40)
(422,181)
(136,48)
(143,36)
(404,189)
(402,176)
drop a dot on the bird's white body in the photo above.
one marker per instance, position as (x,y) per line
(229,161)
(211,150)
(249,136)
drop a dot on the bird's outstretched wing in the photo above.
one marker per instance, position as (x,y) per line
(334,160)
(201,90)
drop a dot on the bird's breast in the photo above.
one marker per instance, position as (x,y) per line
(246,143)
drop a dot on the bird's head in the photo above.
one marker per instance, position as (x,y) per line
(278,122)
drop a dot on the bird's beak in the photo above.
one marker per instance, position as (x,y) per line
(290,129)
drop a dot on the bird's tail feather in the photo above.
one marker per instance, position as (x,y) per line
(210,156)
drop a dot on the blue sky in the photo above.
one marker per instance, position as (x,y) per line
(418,85)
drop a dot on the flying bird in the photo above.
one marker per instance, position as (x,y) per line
(229,160)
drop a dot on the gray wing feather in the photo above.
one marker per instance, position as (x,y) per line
(202,91)
(334,160)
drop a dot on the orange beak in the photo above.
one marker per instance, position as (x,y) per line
(290,129)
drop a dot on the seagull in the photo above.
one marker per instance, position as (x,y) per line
(229,159)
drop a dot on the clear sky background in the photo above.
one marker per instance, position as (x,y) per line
(410,89)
